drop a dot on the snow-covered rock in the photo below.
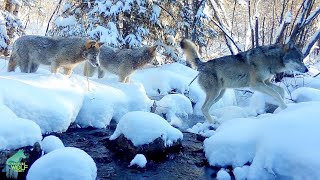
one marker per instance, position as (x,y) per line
(241,173)
(16,132)
(64,163)
(140,160)
(305,94)
(150,127)
(223,175)
(51,101)
(204,129)
(174,107)
(277,145)
(50,143)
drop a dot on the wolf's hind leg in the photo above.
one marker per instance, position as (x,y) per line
(262,87)
(213,96)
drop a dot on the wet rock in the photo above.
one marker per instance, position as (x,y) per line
(154,150)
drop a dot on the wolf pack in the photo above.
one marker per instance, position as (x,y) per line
(253,68)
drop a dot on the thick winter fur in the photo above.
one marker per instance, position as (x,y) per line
(30,51)
(253,68)
(122,62)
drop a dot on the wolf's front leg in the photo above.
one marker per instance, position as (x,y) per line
(276,88)
(262,87)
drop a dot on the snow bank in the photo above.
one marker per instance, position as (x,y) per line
(16,132)
(272,143)
(305,94)
(143,128)
(65,163)
(139,160)
(111,101)
(51,143)
(51,101)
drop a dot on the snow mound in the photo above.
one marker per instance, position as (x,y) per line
(17,132)
(65,163)
(51,101)
(223,175)
(174,106)
(139,160)
(305,94)
(111,101)
(204,129)
(241,173)
(229,112)
(143,128)
(51,143)
(271,142)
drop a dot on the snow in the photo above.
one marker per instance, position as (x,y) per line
(64,163)
(204,129)
(241,173)
(278,145)
(174,106)
(223,175)
(16,132)
(51,101)
(151,127)
(51,143)
(139,160)
(111,101)
(64,22)
(304,94)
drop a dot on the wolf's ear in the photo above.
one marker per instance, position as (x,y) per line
(99,44)
(89,44)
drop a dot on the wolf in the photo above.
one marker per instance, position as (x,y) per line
(253,68)
(30,51)
(122,62)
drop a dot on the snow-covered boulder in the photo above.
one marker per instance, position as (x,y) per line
(64,163)
(174,107)
(51,101)
(305,94)
(50,143)
(16,132)
(145,133)
(139,160)
(283,145)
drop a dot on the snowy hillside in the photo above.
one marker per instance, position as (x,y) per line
(265,146)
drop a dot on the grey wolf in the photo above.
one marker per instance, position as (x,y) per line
(122,62)
(253,68)
(30,51)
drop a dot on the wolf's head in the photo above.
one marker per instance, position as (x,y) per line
(150,54)
(91,52)
(293,59)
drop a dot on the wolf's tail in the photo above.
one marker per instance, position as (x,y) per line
(191,51)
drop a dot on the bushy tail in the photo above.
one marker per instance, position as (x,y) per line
(191,51)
